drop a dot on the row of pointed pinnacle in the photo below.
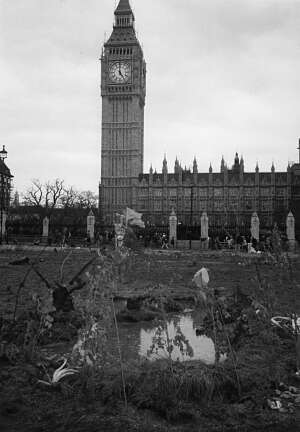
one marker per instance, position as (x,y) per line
(238,164)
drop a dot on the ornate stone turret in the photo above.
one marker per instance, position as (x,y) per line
(256,174)
(151,175)
(225,172)
(222,164)
(180,175)
(272,168)
(236,165)
(273,179)
(176,166)
(242,167)
(241,170)
(195,171)
(257,204)
(289,179)
(210,176)
(165,166)
(195,166)
(165,170)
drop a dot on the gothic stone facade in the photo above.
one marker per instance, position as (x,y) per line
(229,196)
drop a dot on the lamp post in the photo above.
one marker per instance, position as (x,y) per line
(191,215)
(3,156)
(1,208)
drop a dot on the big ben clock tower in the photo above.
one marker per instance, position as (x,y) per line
(123,90)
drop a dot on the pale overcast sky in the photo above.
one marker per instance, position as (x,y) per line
(223,76)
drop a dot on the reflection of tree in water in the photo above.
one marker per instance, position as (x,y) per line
(178,340)
(168,337)
(182,343)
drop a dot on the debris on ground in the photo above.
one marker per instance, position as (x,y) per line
(287,399)
(21,261)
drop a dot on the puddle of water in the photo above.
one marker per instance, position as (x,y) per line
(202,347)
(137,338)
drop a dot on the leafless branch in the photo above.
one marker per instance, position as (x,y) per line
(35,195)
(62,266)
(22,283)
(69,197)
(42,277)
(79,273)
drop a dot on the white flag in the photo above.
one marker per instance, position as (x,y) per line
(201,278)
(134,218)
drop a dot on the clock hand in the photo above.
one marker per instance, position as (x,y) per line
(120,72)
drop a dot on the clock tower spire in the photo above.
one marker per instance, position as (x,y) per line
(124,14)
(123,91)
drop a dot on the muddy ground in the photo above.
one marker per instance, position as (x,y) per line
(204,398)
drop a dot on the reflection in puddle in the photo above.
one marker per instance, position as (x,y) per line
(202,346)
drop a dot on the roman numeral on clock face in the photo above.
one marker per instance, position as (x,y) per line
(119,72)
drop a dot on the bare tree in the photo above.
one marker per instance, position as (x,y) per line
(34,195)
(47,195)
(53,194)
(72,198)
(69,198)
(86,199)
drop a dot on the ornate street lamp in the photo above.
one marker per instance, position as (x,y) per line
(3,156)
(3,153)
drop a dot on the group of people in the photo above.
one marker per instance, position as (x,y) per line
(243,243)
(229,242)
(160,240)
(157,239)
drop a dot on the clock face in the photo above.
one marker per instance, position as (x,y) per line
(119,72)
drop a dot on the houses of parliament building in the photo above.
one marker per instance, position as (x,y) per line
(229,196)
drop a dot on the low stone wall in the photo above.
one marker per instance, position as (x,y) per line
(183,244)
(195,244)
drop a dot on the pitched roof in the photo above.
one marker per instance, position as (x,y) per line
(4,169)
(121,35)
(123,7)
